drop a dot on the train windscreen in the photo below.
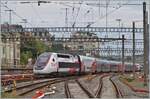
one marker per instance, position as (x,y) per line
(42,60)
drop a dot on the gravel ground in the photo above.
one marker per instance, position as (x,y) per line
(126,91)
(137,82)
(108,90)
(91,83)
(76,91)
(59,91)
(21,84)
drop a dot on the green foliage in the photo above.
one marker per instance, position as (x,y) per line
(25,56)
(31,49)
(39,46)
(56,47)
(129,79)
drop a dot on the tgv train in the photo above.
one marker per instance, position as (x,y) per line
(55,63)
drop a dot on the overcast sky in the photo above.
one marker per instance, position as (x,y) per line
(53,14)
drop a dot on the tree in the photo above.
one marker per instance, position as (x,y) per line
(32,49)
(39,46)
(25,56)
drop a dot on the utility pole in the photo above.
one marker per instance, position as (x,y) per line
(119,21)
(99,9)
(14,50)
(66,17)
(133,49)
(98,47)
(106,15)
(146,43)
(148,49)
(1,47)
(123,54)
(10,16)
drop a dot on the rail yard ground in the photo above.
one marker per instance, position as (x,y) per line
(87,86)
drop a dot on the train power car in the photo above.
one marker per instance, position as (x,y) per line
(48,63)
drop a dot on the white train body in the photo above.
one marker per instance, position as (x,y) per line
(48,63)
(87,63)
(55,62)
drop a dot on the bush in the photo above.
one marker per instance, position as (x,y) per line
(129,79)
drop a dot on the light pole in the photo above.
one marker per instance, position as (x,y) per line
(119,22)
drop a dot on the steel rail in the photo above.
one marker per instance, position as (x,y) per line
(100,86)
(90,95)
(67,91)
(118,92)
(34,87)
(99,90)
(11,69)
(31,84)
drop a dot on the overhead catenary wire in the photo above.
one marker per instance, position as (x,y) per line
(77,13)
(101,17)
(36,12)
(15,13)
(108,13)
(70,0)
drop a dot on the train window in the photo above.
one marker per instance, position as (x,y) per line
(53,60)
(63,56)
(42,60)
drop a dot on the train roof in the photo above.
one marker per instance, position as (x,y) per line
(87,57)
(46,53)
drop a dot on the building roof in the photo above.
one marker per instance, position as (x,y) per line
(5,28)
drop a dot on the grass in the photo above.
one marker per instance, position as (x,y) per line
(8,95)
(134,82)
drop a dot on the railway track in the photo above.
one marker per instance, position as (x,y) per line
(72,88)
(84,88)
(75,88)
(67,90)
(90,95)
(117,90)
(6,71)
(100,86)
(123,91)
(28,89)
(24,89)
(30,83)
